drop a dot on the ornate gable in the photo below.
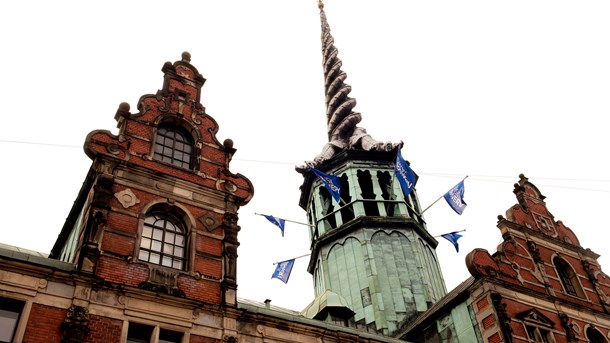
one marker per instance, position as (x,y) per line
(532,213)
(176,105)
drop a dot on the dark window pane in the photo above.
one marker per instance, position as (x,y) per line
(167,336)
(10,311)
(139,333)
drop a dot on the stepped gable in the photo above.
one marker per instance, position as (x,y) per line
(178,103)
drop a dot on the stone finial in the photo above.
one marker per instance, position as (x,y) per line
(186,56)
(123,109)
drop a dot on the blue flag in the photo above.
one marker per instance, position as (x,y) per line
(455,198)
(405,175)
(277,221)
(332,183)
(283,269)
(453,238)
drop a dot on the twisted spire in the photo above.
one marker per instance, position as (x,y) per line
(341,118)
(343,132)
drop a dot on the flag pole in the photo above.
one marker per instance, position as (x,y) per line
(439,198)
(290,221)
(450,232)
(294,258)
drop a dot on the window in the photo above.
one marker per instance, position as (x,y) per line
(174,145)
(538,334)
(10,311)
(594,336)
(163,240)
(568,277)
(140,333)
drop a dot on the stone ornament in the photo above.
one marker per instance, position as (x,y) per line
(209,221)
(127,198)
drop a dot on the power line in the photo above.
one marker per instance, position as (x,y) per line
(474,177)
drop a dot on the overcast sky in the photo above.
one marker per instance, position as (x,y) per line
(489,89)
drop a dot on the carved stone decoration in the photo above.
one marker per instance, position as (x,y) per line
(103,192)
(162,281)
(114,149)
(225,185)
(533,249)
(503,318)
(209,221)
(231,227)
(591,273)
(231,262)
(74,329)
(229,339)
(127,198)
(568,327)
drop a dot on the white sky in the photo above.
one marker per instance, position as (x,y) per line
(488,89)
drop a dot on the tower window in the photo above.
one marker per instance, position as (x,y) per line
(163,240)
(174,145)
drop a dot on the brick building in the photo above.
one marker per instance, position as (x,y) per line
(148,251)
(540,285)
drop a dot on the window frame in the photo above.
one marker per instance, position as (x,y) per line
(8,304)
(154,333)
(568,277)
(590,331)
(167,215)
(174,146)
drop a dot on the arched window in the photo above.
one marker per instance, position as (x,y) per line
(163,240)
(174,145)
(568,277)
(594,336)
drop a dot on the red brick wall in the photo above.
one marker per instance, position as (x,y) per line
(123,222)
(204,290)
(208,266)
(495,338)
(209,245)
(43,324)
(118,244)
(482,304)
(488,321)
(103,330)
(116,270)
